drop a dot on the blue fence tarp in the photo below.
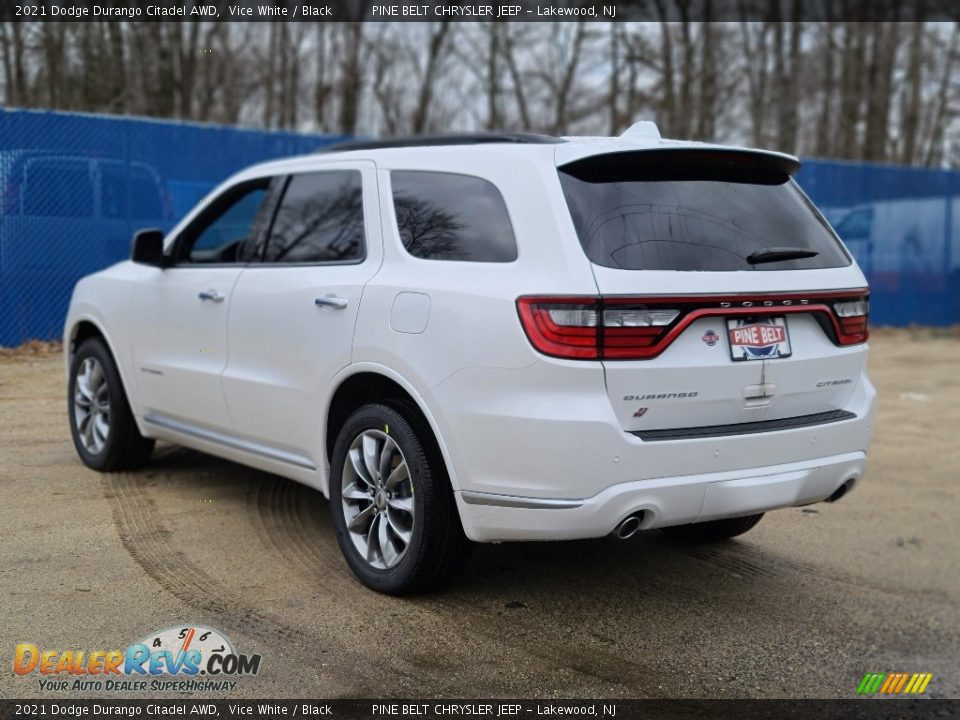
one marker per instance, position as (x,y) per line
(902,224)
(74,188)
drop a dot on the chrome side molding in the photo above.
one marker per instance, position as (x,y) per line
(230,441)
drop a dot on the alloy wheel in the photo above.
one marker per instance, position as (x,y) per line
(377,499)
(91,405)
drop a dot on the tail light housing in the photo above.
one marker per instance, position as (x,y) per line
(852,316)
(615,328)
(562,327)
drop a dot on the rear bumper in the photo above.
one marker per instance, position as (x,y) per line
(529,463)
(663,502)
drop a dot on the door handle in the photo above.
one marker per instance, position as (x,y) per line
(212,295)
(337,303)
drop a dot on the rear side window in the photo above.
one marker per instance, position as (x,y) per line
(320,219)
(708,211)
(444,216)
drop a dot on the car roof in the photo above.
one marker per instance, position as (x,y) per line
(443,139)
(465,149)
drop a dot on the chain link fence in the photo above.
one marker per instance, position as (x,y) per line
(74,188)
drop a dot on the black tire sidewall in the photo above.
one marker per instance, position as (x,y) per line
(119,412)
(406,575)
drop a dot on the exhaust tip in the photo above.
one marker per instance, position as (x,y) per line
(842,490)
(628,527)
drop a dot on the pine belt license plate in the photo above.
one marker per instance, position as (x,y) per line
(760,338)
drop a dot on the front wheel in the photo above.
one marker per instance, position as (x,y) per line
(391,502)
(104,431)
(714,529)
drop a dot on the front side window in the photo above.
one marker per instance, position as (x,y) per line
(228,226)
(320,219)
(444,216)
(696,210)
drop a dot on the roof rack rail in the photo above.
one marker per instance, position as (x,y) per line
(442,139)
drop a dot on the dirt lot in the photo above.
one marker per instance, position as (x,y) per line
(802,606)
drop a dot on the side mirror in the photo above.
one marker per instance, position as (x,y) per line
(147,248)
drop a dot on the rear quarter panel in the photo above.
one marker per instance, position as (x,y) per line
(472,320)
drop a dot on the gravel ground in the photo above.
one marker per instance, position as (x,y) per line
(802,606)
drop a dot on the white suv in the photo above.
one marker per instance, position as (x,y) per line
(492,338)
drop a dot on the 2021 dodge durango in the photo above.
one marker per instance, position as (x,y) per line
(492,338)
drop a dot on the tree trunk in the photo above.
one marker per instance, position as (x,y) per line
(910,99)
(516,79)
(824,129)
(435,54)
(351,81)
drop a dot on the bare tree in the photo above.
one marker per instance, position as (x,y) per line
(880,90)
(436,53)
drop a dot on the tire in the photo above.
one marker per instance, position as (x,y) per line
(713,530)
(399,536)
(104,431)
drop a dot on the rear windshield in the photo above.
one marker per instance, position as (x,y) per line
(696,210)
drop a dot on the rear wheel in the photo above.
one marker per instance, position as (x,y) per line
(391,503)
(714,529)
(104,432)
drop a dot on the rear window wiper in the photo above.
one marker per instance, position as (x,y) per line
(775,254)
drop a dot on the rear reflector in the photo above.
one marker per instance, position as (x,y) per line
(594,328)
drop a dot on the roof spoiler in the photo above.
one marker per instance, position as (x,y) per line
(665,164)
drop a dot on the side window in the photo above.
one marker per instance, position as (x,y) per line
(227,230)
(320,219)
(443,216)
(58,187)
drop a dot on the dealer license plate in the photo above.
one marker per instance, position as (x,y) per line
(759,338)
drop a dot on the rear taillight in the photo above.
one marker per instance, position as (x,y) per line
(561,327)
(594,328)
(632,331)
(852,319)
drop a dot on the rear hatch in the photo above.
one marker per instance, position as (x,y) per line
(724,296)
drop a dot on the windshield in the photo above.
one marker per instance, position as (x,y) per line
(696,210)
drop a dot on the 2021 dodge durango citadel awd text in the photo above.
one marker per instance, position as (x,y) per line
(492,338)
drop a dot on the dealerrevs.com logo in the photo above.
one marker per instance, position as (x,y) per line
(181,659)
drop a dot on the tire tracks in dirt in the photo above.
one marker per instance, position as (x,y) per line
(148,541)
(307,543)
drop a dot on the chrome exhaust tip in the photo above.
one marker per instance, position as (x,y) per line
(842,490)
(628,527)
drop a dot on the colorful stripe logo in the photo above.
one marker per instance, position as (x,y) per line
(894,683)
